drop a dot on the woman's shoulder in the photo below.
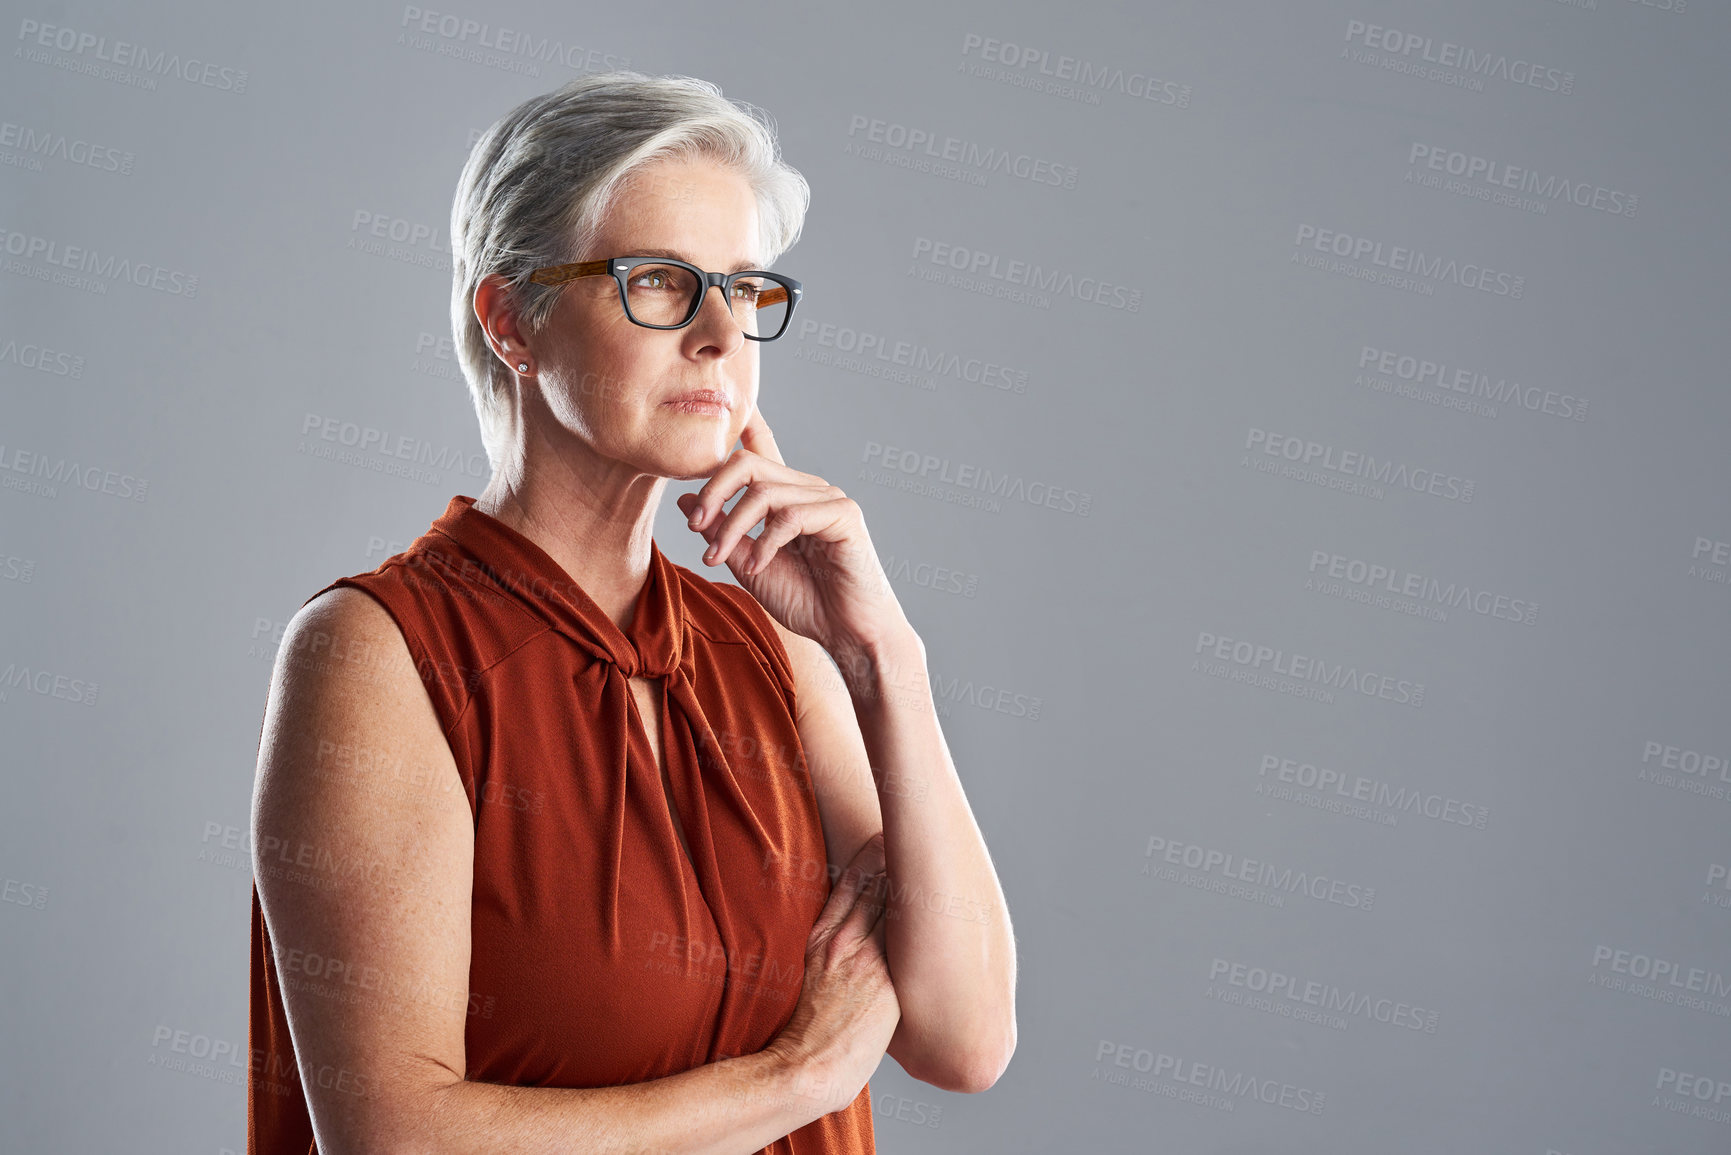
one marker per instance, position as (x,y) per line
(453,627)
(431,584)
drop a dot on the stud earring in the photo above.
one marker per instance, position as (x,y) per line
(522,366)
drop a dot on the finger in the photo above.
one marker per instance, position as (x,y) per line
(842,898)
(877,896)
(762,499)
(734,474)
(863,915)
(867,861)
(757,437)
(827,519)
(871,853)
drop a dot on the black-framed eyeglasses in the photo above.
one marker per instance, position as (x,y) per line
(663,293)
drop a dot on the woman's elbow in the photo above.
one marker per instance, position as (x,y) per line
(982,1068)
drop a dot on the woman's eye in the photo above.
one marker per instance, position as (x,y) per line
(658,279)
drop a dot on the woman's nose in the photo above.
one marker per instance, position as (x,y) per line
(721,306)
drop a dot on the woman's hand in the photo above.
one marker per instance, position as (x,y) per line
(847,1010)
(813,566)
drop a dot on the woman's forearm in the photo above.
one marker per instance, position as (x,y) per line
(729,1107)
(947,931)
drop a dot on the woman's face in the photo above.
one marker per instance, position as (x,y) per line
(610,382)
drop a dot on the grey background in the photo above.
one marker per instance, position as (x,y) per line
(161,517)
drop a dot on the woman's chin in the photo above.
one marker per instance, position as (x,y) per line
(698,461)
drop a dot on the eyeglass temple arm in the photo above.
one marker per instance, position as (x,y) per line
(559,274)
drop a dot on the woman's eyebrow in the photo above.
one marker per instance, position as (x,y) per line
(641,252)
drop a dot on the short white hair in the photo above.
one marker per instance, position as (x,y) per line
(540,180)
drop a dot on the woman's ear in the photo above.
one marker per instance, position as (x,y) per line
(499,323)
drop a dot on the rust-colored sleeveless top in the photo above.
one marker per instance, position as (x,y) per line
(601,954)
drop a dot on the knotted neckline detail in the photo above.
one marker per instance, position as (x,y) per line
(731,820)
(650,647)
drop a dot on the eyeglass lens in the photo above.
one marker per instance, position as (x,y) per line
(657,293)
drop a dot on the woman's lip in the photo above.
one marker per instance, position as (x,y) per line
(701,402)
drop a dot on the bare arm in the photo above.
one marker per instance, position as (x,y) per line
(880,763)
(363,854)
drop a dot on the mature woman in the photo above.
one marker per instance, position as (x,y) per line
(560,846)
